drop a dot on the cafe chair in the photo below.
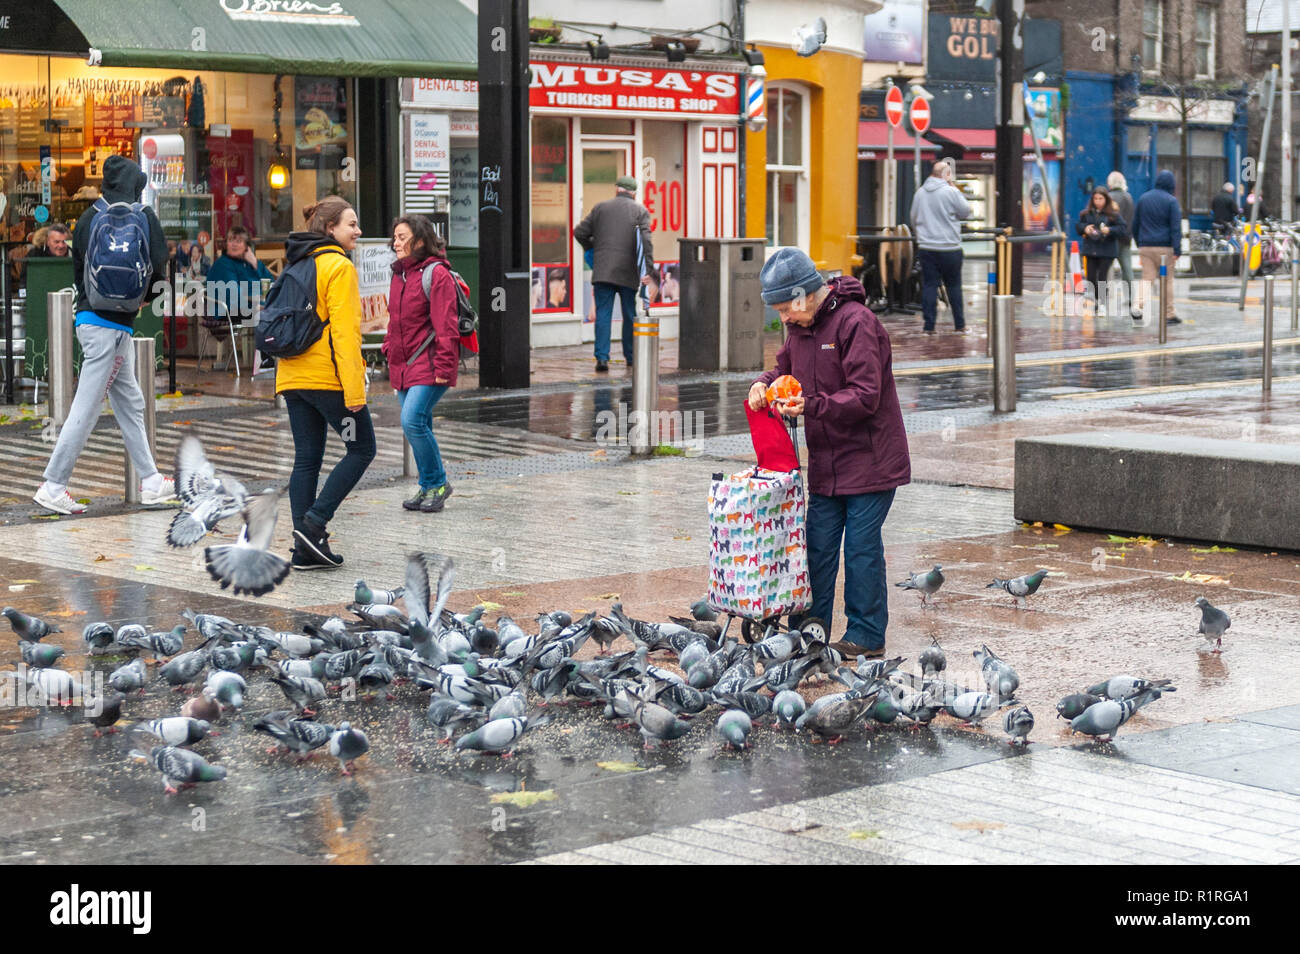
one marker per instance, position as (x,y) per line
(217,325)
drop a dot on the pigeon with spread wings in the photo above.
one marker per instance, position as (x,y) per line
(246,565)
(206,496)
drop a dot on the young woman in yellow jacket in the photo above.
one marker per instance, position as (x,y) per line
(325,386)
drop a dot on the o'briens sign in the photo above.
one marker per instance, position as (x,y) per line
(288,11)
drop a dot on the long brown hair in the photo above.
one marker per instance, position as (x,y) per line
(1110,208)
(423,236)
(325,214)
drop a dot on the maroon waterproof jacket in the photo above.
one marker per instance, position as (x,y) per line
(852,420)
(410,319)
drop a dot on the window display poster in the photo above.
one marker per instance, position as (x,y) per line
(320,121)
(1038,216)
(374,261)
(464,197)
(428,142)
(230,179)
(1044,112)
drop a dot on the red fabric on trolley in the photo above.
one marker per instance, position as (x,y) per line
(772,442)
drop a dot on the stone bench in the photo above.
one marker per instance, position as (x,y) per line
(1237,492)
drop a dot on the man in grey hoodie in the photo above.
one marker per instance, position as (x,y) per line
(938,209)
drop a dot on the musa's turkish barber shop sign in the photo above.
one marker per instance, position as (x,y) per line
(565,87)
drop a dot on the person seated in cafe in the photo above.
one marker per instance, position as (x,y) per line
(235,278)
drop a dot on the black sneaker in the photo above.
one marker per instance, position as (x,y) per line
(413,503)
(435,499)
(1173,320)
(304,559)
(316,543)
(601,367)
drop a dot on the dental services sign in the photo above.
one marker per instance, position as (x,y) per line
(289,11)
(569,87)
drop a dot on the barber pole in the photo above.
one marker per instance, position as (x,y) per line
(756,98)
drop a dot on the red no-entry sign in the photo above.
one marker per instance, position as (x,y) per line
(894,106)
(920,115)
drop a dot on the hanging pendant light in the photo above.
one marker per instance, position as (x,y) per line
(277,175)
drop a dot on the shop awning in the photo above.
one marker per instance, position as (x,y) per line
(343,38)
(873,142)
(980,143)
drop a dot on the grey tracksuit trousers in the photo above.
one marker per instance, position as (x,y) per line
(108,369)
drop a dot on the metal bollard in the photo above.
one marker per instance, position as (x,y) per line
(409,467)
(144,376)
(645,385)
(1004,353)
(1295,294)
(61,332)
(1160,302)
(992,292)
(1268,333)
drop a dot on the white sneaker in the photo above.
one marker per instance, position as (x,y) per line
(164,494)
(63,503)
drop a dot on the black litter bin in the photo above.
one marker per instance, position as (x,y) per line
(721,310)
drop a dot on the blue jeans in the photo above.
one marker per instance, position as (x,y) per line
(856,519)
(417,423)
(311,414)
(939,266)
(604,294)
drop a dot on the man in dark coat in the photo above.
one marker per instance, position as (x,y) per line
(1157,229)
(1224,205)
(618,231)
(853,425)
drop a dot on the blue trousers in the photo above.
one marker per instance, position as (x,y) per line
(312,414)
(942,266)
(417,424)
(856,520)
(604,294)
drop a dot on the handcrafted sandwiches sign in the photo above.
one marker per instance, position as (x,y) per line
(564,87)
(289,11)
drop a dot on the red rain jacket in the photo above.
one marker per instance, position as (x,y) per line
(410,319)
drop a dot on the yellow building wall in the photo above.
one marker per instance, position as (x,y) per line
(833,81)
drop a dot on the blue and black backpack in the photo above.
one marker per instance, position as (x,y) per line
(289,323)
(117,265)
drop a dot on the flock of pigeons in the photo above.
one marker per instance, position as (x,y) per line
(481,678)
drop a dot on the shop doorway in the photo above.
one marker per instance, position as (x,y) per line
(602,163)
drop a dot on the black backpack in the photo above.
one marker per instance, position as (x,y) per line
(289,323)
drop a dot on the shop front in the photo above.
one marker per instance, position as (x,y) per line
(240,113)
(676,129)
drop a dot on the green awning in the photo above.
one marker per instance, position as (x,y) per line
(324,37)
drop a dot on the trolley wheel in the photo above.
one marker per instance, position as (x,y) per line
(813,628)
(755,630)
(747,630)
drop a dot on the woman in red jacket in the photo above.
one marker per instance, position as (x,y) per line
(420,367)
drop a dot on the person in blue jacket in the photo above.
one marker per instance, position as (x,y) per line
(234,279)
(1158,231)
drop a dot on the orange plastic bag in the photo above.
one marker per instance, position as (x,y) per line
(783,388)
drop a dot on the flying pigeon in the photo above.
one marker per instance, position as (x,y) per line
(734,726)
(176,730)
(810,37)
(180,766)
(206,497)
(1021,587)
(1214,622)
(1122,687)
(31,628)
(424,603)
(500,735)
(927,584)
(348,744)
(297,735)
(247,566)
(999,678)
(1017,723)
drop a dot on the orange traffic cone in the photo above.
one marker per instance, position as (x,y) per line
(1076,267)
